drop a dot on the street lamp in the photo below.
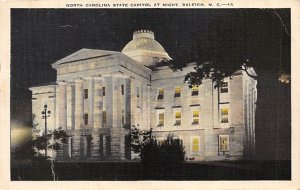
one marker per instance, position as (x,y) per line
(46,114)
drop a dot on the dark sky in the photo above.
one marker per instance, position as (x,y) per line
(40,37)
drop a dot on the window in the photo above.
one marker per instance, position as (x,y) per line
(224,87)
(195,90)
(224,115)
(223,143)
(195,117)
(104,117)
(123,117)
(195,144)
(160,94)
(161,119)
(177,91)
(86,93)
(122,89)
(177,118)
(103,91)
(137,92)
(86,119)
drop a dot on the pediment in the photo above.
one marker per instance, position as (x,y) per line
(84,54)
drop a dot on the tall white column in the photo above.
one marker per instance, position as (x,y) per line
(108,100)
(148,107)
(133,101)
(142,113)
(115,106)
(127,103)
(98,103)
(79,107)
(61,106)
(91,90)
(70,106)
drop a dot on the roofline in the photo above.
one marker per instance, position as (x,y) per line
(54,65)
(57,63)
(43,85)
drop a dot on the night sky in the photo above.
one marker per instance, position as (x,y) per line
(40,37)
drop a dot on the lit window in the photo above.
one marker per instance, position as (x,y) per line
(103,91)
(160,93)
(195,117)
(224,115)
(122,89)
(86,93)
(177,91)
(224,87)
(195,90)
(161,119)
(195,144)
(223,143)
(104,117)
(177,118)
(86,119)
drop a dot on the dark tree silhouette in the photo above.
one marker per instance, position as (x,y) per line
(240,41)
(237,40)
(164,159)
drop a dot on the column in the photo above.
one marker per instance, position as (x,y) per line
(115,95)
(133,101)
(70,106)
(79,109)
(61,106)
(91,90)
(127,101)
(148,107)
(98,103)
(142,121)
(109,100)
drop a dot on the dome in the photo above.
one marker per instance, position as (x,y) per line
(143,41)
(145,49)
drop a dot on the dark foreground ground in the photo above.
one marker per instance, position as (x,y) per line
(223,170)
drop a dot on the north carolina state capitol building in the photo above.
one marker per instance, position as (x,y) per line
(99,94)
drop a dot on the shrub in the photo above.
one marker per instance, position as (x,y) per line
(162,160)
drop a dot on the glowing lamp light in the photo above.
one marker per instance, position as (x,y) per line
(20,134)
(284,78)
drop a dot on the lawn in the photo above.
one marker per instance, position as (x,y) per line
(133,170)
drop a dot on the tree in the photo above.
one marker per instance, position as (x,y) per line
(55,139)
(164,159)
(138,139)
(237,40)
(240,39)
(168,151)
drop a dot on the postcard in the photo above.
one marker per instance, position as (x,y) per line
(144,95)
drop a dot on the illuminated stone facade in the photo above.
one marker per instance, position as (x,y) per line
(99,94)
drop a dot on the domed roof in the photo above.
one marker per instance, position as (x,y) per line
(145,49)
(143,41)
